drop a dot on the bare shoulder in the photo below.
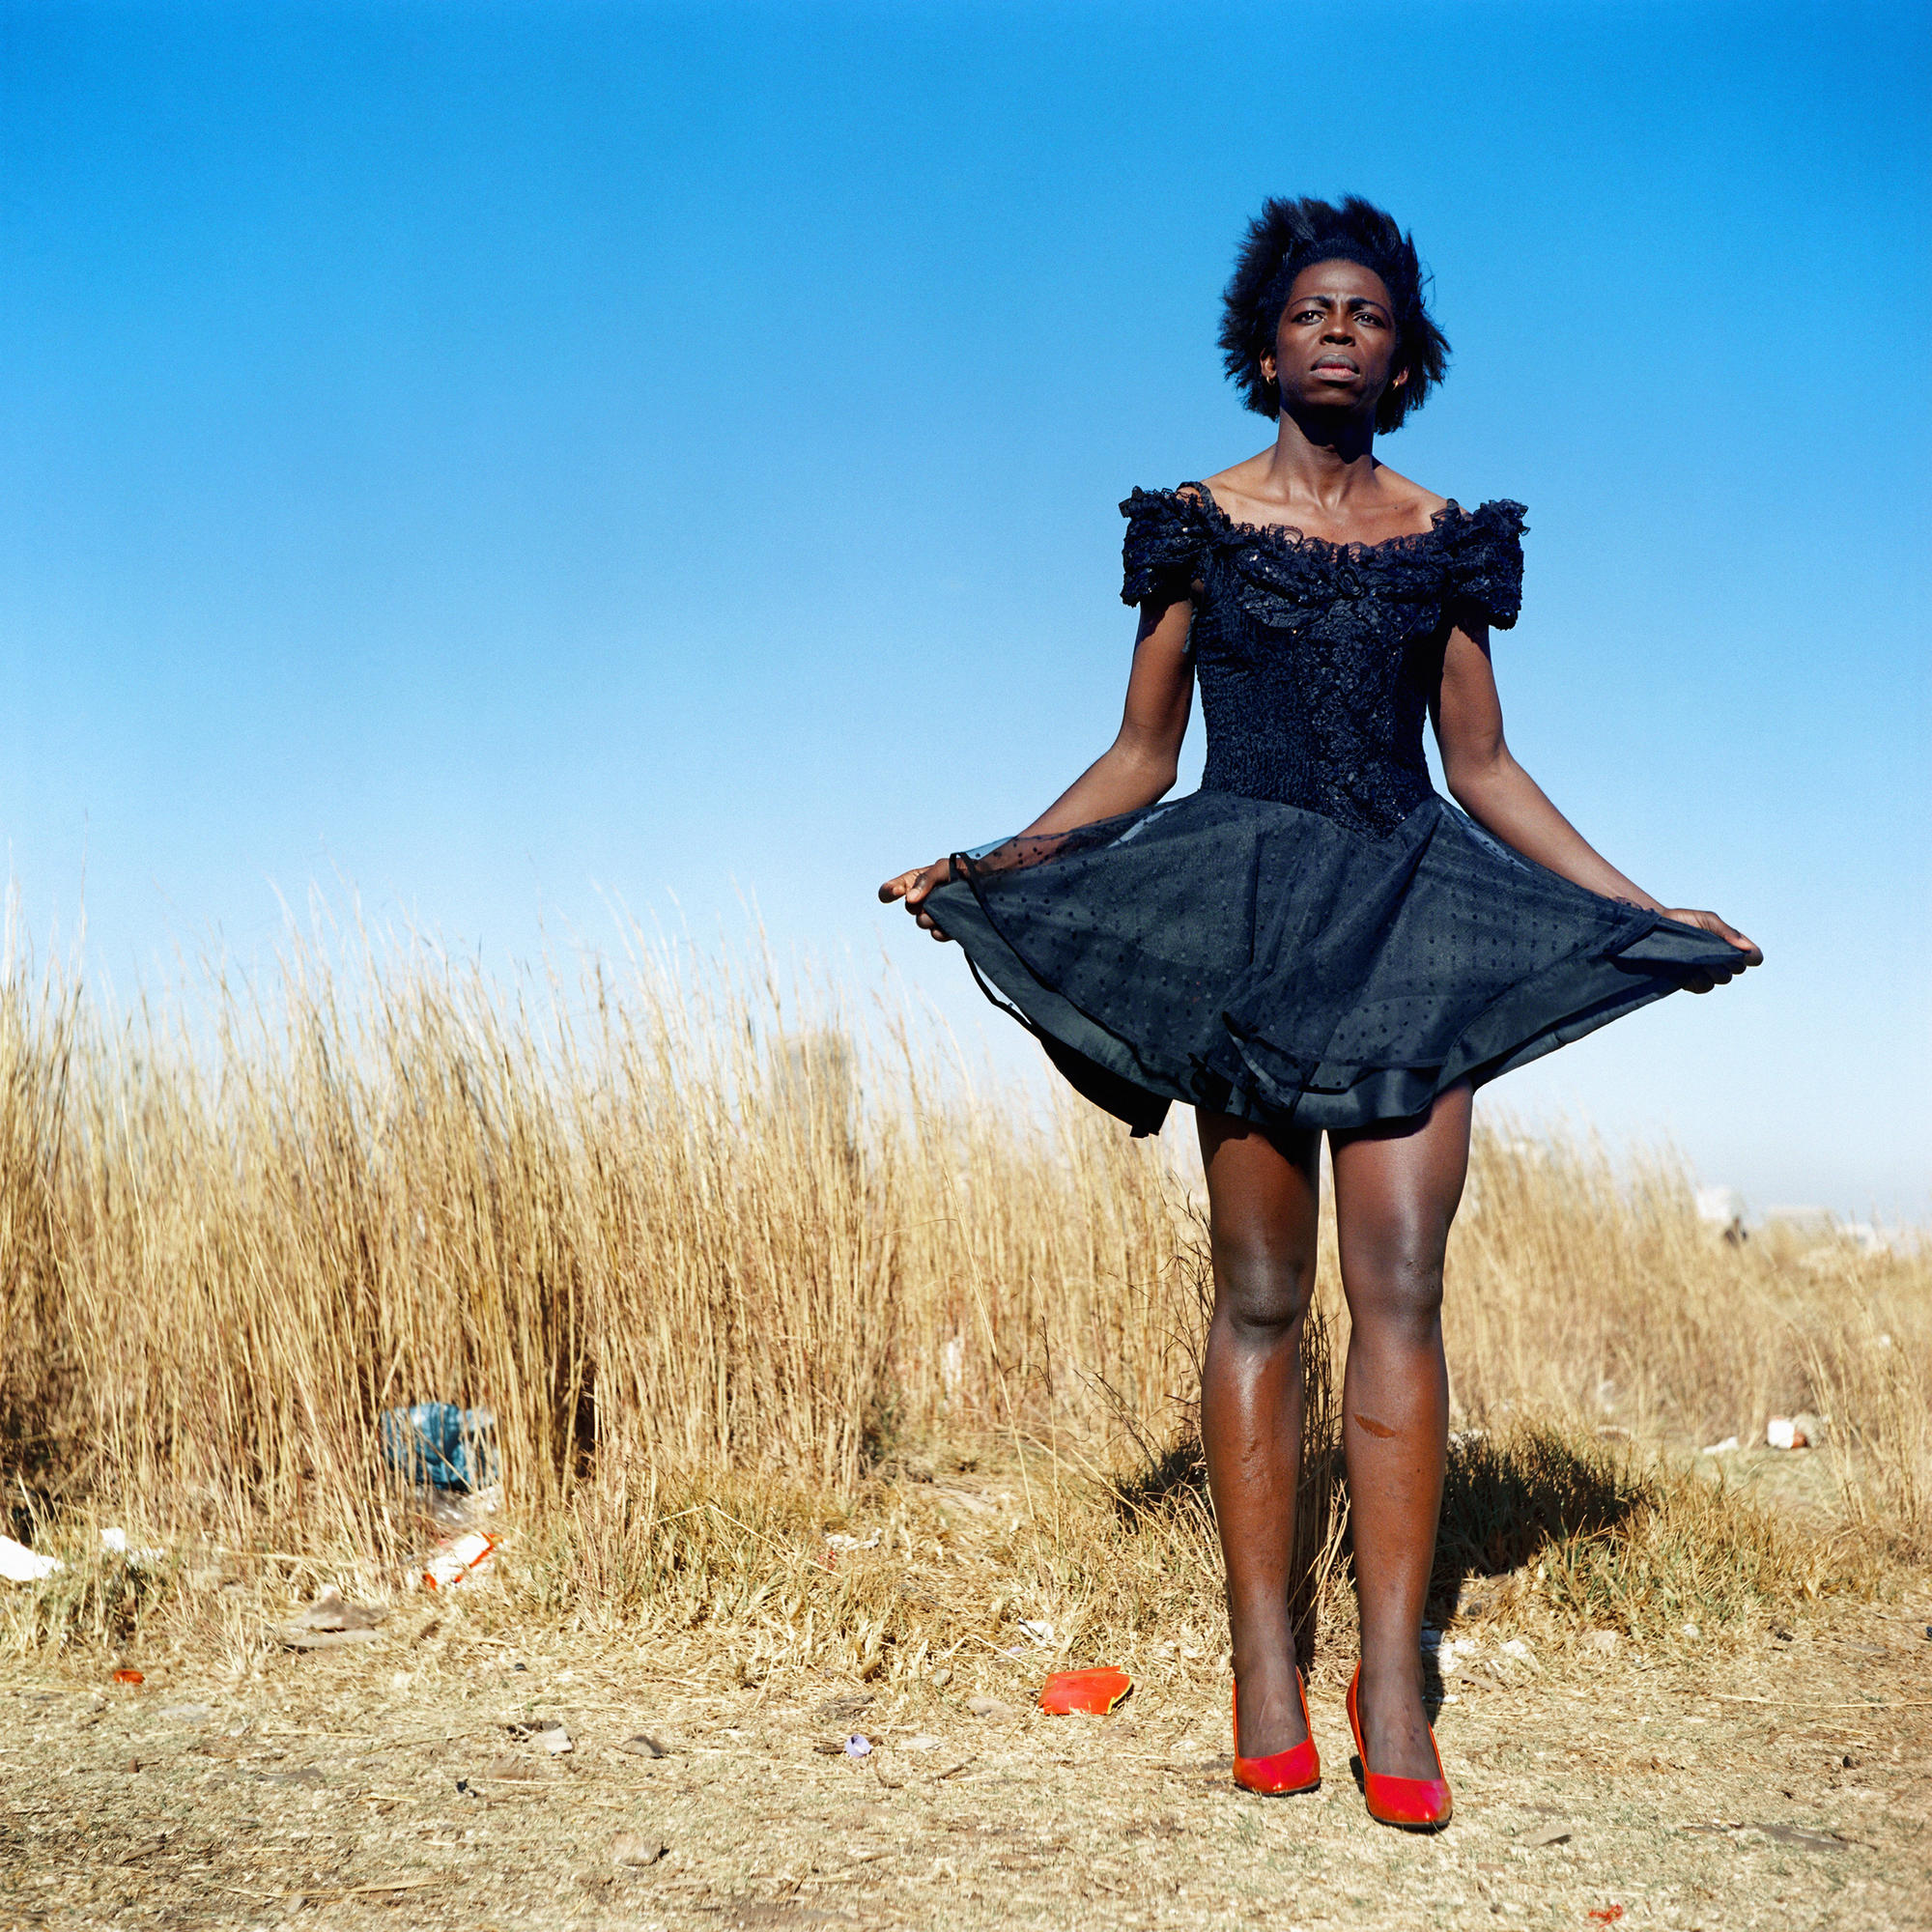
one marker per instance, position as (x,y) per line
(1411,494)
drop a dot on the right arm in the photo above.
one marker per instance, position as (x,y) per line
(1137,768)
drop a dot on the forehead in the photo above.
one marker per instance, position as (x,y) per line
(1344,280)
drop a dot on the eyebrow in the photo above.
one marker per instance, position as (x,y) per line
(1365,302)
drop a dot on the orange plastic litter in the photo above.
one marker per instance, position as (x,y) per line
(129,1677)
(1090,1694)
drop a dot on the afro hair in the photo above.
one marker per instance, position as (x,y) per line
(1282,241)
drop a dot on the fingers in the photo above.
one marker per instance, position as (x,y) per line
(914,887)
(1710,922)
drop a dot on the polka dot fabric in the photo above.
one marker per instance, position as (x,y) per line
(1314,938)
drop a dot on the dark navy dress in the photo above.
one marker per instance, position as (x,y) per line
(1314,938)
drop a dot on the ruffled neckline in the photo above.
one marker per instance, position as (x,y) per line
(1293,537)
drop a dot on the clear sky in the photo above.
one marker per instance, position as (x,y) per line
(511,456)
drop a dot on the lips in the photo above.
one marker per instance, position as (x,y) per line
(1339,362)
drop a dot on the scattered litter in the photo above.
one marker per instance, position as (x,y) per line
(20,1565)
(1689,1629)
(1085,1693)
(1521,1652)
(920,1743)
(1040,1632)
(994,1708)
(841,1540)
(459,1559)
(513,1770)
(114,1543)
(1603,1640)
(1794,1432)
(145,1850)
(1723,1448)
(1550,1834)
(550,1732)
(857,1745)
(644,1745)
(437,1444)
(1606,1914)
(634,1848)
(129,1677)
(187,1714)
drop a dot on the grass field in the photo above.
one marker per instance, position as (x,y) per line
(737,1277)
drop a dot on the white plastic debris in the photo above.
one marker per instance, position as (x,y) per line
(20,1565)
(556,1741)
(1036,1627)
(1781,1433)
(114,1543)
(841,1540)
(1723,1448)
(857,1745)
(458,1559)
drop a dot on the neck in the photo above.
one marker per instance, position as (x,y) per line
(1326,454)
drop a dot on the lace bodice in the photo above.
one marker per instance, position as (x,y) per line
(1316,660)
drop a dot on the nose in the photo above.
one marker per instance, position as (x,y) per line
(1338,331)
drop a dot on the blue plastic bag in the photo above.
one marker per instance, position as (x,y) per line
(437,1444)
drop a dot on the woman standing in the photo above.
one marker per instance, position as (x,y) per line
(1315,941)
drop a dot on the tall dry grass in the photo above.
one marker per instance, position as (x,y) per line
(711,1253)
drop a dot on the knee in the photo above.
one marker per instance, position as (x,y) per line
(1395,1279)
(1261,1291)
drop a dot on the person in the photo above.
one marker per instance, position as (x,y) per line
(1315,941)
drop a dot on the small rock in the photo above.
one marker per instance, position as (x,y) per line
(644,1745)
(635,1849)
(1550,1834)
(842,1710)
(991,1708)
(513,1769)
(330,1611)
(1603,1640)
(329,1639)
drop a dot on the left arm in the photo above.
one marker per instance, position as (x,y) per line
(1486,781)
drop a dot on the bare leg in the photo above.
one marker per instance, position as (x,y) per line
(1395,1191)
(1264,1209)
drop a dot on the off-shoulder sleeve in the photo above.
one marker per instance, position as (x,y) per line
(1160,557)
(1486,565)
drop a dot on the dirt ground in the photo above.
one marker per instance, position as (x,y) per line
(1783,1779)
(383,1786)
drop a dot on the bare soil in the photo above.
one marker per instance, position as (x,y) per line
(1782,1780)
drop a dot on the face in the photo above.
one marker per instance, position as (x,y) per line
(1336,339)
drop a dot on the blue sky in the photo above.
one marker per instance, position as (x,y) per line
(512,457)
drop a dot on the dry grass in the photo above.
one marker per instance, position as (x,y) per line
(731,1271)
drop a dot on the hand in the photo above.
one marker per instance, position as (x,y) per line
(913,886)
(1752,954)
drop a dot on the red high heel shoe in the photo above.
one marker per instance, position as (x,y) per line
(1416,1804)
(1281,1772)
